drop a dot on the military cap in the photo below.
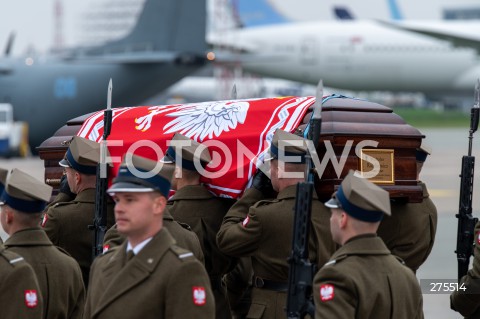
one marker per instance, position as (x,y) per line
(189,154)
(140,174)
(422,152)
(25,193)
(286,144)
(82,155)
(361,199)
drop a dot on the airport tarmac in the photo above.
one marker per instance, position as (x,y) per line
(441,174)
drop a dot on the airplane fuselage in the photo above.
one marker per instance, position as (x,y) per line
(358,55)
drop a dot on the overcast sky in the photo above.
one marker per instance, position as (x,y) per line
(33,20)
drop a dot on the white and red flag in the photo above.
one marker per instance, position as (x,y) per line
(238,133)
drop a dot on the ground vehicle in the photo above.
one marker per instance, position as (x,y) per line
(13,135)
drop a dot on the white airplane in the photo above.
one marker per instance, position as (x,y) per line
(439,59)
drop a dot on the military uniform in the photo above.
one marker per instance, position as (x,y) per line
(265,234)
(467,299)
(20,295)
(66,224)
(169,281)
(410,232)
(363,280)
(194,205)
(182,233)
(58,274)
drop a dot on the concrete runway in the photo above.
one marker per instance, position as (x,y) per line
(441,173)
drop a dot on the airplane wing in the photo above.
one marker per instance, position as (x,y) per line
(453,33)
(139,58)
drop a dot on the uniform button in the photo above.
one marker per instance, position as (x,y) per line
(150,260)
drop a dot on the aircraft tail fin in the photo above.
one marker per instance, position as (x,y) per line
(165,25)
(259,12)
(342,13)
(394,10)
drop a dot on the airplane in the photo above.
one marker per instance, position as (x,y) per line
(362,55)
(166,44)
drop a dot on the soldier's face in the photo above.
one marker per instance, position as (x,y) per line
(137,214)
(335,224)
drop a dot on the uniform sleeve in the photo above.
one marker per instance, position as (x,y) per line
(241,228)
(20,295)
(464,301)
(51,224)
(334,294)
(190,295)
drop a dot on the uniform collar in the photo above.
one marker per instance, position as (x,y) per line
(139,247)
(86,196)
(291,192)
(29,237)
(424,189)
(192,192)
(368,244)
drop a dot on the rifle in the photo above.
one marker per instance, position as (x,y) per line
(466,222)
(302,271)
(100,221)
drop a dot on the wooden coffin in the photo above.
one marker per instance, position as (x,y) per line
(344,121)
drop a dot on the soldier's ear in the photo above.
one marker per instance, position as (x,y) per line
(160,202)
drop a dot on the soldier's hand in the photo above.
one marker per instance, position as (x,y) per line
(64,188)
(262,183)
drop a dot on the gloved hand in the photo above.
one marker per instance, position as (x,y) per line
(262,183)
(64,188)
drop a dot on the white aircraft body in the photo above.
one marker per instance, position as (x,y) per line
(437,59)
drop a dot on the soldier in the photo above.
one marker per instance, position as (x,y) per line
(20,295)
(66,223)
(194,205)
(58,274)
(363,279)
(410,232)
(148,276)
(263,229)
(466,299)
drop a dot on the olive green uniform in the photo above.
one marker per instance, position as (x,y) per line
(17,278)
(204,212)
(409,232)
(58,274)
(182,233)
(66,224)
(162,281)
(265,234)
(467,299)
(364,280)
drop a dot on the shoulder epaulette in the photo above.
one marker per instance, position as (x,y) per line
(182,253)
(11,257)
(185,225)
(264,202)
(400,260)
(335,261)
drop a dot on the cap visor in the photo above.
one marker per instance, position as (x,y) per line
(332,203)
(124,187)
(166,160)
(64,163)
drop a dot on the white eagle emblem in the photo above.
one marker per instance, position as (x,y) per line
(31,299)
(327,292)
(199,121)
(199,296)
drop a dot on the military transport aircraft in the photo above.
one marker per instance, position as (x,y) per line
(166,44)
